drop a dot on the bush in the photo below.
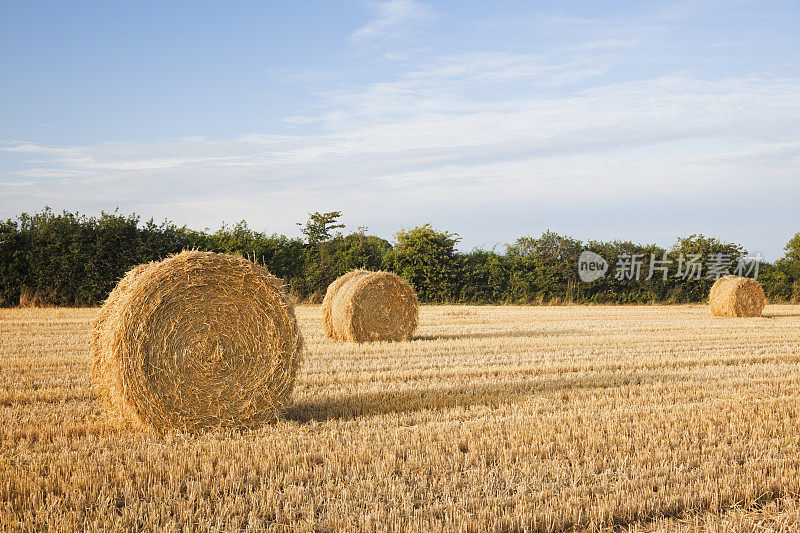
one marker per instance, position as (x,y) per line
(72,259)
(427,259)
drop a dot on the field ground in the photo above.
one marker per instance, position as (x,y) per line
(494,418)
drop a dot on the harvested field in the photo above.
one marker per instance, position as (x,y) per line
(539,418)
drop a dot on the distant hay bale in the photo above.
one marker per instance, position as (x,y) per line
(365,306)
(327,302)
(733,296)
(197,340)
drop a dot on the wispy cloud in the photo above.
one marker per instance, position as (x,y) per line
(638,143)
(684,9)
(392,21)
(493,142)
(448,84)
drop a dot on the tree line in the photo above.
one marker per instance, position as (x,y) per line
(73,259)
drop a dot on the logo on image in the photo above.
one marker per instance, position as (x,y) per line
(591,266)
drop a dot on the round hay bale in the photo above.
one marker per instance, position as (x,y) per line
(198,340)
(327,302)
(105,366)
(370,306)
(734,296)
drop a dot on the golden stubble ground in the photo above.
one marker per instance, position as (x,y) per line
(493,418)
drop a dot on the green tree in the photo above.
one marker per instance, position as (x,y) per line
(283,257)
(611,288)
(544,268)
(428,260)
(318,270)
(357,250)
(706,246)
(790,263)
(781,281)
(485,278)
(318,227)
(73,259)
(703,249)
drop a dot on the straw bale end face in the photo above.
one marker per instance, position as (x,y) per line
(364,306)
(198,340)
(734,296)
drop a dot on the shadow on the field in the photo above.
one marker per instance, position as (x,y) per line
(499,334)
(349,407)
(781,315)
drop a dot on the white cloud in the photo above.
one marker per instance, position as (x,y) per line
(433,145)
(391,22)
(445,84)
(684,9)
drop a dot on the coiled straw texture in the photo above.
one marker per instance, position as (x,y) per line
(734,296)
(197,340)
(366,306)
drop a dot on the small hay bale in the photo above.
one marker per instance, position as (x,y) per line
(733,296)
(327,302)
(198,340)
(365,306)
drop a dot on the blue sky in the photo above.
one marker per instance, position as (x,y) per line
(639,121)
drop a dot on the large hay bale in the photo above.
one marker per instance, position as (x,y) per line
(105,367)
(734,296)
(365,306)
(197,340)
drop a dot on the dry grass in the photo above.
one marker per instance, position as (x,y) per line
(537,418)
(28,298)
